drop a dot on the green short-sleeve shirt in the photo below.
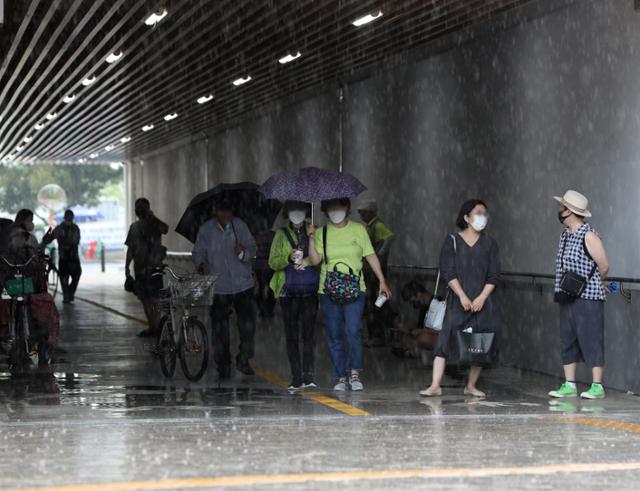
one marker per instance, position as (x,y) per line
(349,245)
(378,232)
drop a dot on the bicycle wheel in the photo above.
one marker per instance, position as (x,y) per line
(19,355)
(53,281)
(167,347)
(194,349)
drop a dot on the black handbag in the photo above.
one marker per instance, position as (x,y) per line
(572,284)
(474,348)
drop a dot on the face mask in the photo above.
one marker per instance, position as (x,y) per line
(479,222)
(337,216)
(563,218)
(297,217)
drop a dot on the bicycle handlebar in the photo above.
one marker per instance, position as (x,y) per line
(166,267)
(18,266)
(176,276)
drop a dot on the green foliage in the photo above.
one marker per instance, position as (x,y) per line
(19,185)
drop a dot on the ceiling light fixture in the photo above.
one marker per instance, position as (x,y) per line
(82,161)
(289,58)
(171,116)
(38,126)
(27,139)
(361,21)
(156,17)
(94,155)
(89,80)
(205,98)
(113,57)
(147,127)
(108,148)
(125,139)
(50,116)
(19,148)
(241,81)
(69,98)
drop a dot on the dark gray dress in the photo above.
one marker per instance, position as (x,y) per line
(474,267)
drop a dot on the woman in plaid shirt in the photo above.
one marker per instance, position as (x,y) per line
(581,318)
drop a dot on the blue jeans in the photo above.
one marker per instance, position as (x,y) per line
(335,317)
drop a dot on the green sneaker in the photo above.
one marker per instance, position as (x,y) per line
(595,392)
(565,390)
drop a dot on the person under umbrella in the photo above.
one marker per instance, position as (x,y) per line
(297,292)
(247,203)
(340,247)
(225,247)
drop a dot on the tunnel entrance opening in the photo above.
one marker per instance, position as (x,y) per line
(94,193)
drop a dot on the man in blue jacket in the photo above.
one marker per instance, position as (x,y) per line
(225,247)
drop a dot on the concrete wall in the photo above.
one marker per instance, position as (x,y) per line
(515,116)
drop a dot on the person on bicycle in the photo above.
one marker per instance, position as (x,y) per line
(68,236)
(145,249)
(21,245)
(225,247)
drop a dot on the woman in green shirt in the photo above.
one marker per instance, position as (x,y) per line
(347,244)
(297,291)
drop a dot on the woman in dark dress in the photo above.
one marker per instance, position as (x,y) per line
(470,264)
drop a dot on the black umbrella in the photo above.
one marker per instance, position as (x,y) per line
(246,202)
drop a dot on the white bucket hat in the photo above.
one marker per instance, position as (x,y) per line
(576,202)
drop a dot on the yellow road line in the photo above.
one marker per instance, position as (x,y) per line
(113,311)
(602,423)
(265,374)
(346,476)
(324,400)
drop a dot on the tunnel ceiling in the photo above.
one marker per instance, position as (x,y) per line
(60,100)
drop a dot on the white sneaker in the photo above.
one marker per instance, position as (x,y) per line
(355,382)
(341,386)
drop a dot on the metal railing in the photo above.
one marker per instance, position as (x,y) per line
(183,256)
(513,274)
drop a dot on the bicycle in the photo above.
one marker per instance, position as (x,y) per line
(25,346)
(190,339)
(51,273)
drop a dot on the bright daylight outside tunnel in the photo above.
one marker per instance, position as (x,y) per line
(319,244)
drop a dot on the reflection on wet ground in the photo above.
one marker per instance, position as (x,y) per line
(105,413)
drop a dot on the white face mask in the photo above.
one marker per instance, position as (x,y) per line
(479,222)
(337,216)
(297,217)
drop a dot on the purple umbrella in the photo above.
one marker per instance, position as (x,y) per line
(312,184)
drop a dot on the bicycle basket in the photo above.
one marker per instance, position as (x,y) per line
(194,290)
(18,287)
